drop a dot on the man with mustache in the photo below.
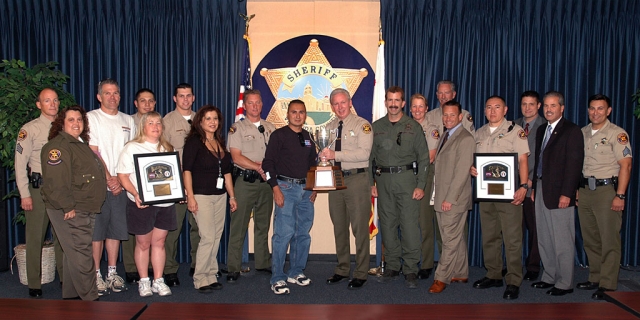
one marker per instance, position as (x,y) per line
(399,161)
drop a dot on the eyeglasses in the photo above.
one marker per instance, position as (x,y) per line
(399,139)
(301,139)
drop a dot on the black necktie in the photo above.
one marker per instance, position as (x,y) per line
(339,142)
(446,137)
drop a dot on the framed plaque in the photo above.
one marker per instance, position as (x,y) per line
(497,178)
(159,177)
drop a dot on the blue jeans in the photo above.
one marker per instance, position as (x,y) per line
(291,226)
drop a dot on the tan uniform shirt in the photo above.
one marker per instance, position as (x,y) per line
(176,128)
(244,135)
(604,149)
(507,138)
(436,126)
(356,141)
(31,138)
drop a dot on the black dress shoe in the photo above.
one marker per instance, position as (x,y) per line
(356,283)
(132,277)
(587,285)
(424,273)
(205,289)
(335,279)
(541,285)
(485,283)
(219,275)
(559,292)
(531,275)
(171,279)
(265,270)
(233,276)
(35,293)
(511,293)
(599,294)
(192,271)
(216,286)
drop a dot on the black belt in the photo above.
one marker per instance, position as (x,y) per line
(600,182)
(395,169)
(347,173)
(292,180)
(248,175)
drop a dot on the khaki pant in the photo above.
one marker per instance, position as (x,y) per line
(210,218)
(454,262)
(502,222)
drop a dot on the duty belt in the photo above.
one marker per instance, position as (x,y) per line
(347,173)
(394,169)
(292,180)
(247,175)
(600,182)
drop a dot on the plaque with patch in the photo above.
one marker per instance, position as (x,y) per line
(497,178)
(366,128)
(159,178)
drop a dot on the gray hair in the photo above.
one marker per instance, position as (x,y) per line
(339,91)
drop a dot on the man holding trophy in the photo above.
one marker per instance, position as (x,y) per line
(350,206)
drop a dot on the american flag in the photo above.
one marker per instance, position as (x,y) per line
(246,78)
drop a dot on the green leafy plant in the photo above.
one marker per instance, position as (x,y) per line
(636,100)
(19,89)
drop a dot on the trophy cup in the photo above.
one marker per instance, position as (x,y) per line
(324,176)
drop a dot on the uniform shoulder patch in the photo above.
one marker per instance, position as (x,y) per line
(54,157)
(232,129)
(623,138)
(408,127)
(522,135)
(366,128)
(19,148)
(22,134)
(470,118)
(435,134)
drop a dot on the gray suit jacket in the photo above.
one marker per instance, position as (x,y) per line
(532,140)
(452,178)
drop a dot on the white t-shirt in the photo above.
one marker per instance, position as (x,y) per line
(126,165)
(110,133)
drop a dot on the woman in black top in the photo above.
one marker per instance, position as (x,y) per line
(207,179)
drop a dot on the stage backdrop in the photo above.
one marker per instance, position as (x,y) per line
(504,47)
(153,44)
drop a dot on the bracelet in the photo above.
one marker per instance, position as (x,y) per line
(232,198)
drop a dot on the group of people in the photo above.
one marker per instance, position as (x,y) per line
(420,168)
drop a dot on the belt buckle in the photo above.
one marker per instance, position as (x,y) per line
(398,169)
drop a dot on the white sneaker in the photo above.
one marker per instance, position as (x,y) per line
(300,280)
(116,283)
(280,287)
(144,288)
(160,287)
(102,286)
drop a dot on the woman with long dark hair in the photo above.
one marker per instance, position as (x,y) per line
(207,180)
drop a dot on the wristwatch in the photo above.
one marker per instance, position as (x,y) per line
(525,186)
(621,196)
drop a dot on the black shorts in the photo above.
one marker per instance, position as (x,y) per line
(142,221)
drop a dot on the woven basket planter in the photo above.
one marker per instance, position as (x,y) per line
(48,263)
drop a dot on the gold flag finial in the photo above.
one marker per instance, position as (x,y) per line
(380,41)
(246,24)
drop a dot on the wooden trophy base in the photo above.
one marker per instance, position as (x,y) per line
(325,179)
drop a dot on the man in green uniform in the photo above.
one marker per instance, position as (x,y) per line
(247,143)
(177,125)
(350,206)
(502,221)
(31,138)
(399,161)
(606,171)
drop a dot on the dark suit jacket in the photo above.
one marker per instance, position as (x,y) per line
(532,139)
(452,163)
(562,162)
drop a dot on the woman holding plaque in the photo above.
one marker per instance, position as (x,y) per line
(207,179)
(73,192)
(150,224)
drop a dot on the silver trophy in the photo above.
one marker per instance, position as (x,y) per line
(324,138)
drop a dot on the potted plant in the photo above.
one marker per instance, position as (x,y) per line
(19,89)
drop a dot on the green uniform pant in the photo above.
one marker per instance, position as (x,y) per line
(256,197)
(502,221)
(600,228)
(171,243)
(76,239)
(427,222)
(352,207)
(35,231)
(397,209)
